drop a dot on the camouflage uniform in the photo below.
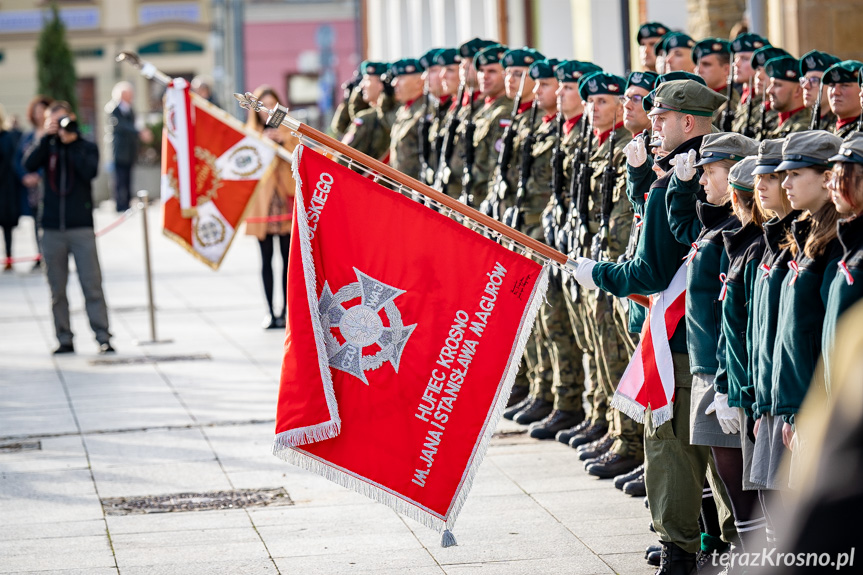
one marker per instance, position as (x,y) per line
(346,111)
(720,112)
(491,121)
(369,132)
(404,139)
(845,130)
(436,130)
(611,351)
(453,170)
(799,122)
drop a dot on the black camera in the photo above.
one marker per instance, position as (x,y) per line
(69,125)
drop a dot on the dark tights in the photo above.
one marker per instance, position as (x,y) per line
(267,266)
(7,240)
(744,504)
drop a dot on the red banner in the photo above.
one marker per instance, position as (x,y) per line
(405,330)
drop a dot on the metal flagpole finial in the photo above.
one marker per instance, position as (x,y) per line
(130,57)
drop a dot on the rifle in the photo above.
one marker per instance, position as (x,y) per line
(469,152)
(762,126)
(599,248)
(514,216)
(551,222)
(747,128)
(423,144)
(577,244)
(442,174)
(815,122)
(728,113)
(504,158)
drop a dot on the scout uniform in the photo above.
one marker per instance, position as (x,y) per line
(746,117)
(841,72)
(674,470)
(707,47)
(404,136)
(769,449)
(803,298)
(819,62)
(369,131)
(846,288)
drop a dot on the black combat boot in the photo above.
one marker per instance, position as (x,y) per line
(675,561)
(635,487)
(567,434)
(595,449)
(533,412)
(517,395)
(589,435)
(555,421)
(511,412)
(625,478)
(613,465)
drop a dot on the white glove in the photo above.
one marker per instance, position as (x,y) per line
(636,152)
(584,272)
(684,166)
(729,417)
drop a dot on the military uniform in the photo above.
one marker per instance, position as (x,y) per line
(369,132)
(404,136)
(347,110)
(843,72)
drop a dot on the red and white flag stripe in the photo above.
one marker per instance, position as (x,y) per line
(649,378)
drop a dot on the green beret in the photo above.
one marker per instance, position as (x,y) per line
(807,149)
(748,42)
(641,80)
(710,46)
(783,68)
(741,177)
(374,68)
(650,30)
(678,75)
(816,61)
(574,70)
(769,156)
(447,56)
(543,68)
(521,57)
(428,59)
(674,40)
(851,149)
(726,146)
(470,48)
(760,56)
(406,66)
(845,71)
(490,55)
(600,83)
(684,96)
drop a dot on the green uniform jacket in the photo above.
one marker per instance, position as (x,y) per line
(798,122)
(744,248)
(765,304)
(491,121)
(538,185)
(658,256)
(802,306)
(846,129)
(370,131)
(842,294)
(404,139)
(638,182)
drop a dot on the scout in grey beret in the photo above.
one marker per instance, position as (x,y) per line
(807,149)
(726,146)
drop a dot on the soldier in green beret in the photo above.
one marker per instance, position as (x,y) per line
(812,67)
(677,50)
(786,96)
(446,61)
(369,131)
(748,111)
(647,37)
(712,57)
(352,103)
(404,137)
(769,117)
(675,470)
(843,94)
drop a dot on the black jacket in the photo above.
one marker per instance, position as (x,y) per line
(123,135)
(69,171)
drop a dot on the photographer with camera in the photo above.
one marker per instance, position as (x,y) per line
(69,164)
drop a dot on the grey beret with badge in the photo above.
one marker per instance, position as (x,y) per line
(741,176)
(769,156)
(685,97)
(851,149)
(726,146)
(807,149)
